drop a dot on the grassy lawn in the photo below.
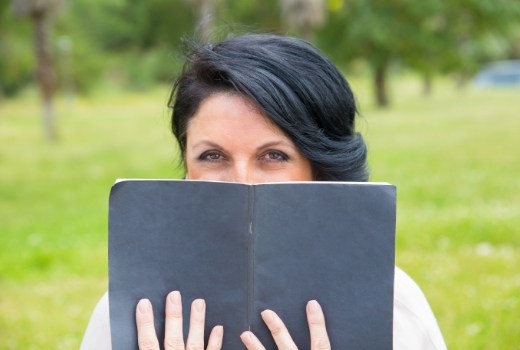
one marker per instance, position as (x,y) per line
(454,157)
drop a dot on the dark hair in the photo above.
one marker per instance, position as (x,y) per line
(289,80)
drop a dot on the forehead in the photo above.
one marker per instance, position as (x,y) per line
(230,114)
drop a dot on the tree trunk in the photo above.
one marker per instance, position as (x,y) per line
(461,81)
(427,85)
(206,9)
(307,32)
(45,72)
(380,85)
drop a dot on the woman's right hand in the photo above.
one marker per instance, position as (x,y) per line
(173,339)
(281,336)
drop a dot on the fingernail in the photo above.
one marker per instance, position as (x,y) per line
(314,306)
(175,297)
(219,330)
(199,305)
(247,338)
(267,315)
(143,306)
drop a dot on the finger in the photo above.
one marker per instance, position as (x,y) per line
(215,338)
(173,338)
(196,334)
(280,334)
(318,330)
(251,341)
(146,337)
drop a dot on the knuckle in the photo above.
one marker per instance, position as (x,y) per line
(146,324)
(173,313)
(316,323)
(173,316)
(195,346)
(146,343)
(321,344)
(316,320)
(197,319)
(174,343)
(213,346)
(276,329)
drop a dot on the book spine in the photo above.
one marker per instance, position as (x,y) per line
(251,256)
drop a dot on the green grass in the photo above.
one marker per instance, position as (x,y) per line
(454,157)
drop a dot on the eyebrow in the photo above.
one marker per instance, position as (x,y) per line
(277,143)
(207,143)
(265,145)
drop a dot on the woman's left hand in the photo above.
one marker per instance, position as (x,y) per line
(281,336)
(173,339)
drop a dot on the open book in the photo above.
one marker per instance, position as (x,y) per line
(245,248)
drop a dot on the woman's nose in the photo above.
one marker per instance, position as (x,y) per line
(242,172)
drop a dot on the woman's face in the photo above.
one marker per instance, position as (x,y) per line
(228,139)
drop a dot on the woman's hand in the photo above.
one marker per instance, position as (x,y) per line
(173,339)
(282,338)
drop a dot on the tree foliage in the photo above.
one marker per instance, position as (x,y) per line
(428,36)
(16,55)
(136,41)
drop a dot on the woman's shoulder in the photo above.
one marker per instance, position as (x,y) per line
(415,326)
(97,334)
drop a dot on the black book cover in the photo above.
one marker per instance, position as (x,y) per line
(245,248)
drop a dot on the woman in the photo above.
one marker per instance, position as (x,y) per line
(265,108)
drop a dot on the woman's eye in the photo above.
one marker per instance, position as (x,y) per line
(276,156)
(211,156)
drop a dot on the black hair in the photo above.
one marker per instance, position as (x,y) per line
(292,83)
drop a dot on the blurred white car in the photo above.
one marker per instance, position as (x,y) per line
(499,73)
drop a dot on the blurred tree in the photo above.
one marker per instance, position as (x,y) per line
(16,58)
(206,10)
(39,12)
(428,35)
(377,31)
(476,31)
(250,15)
(514,46)
(118,25)
(304,16)
(133,41)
